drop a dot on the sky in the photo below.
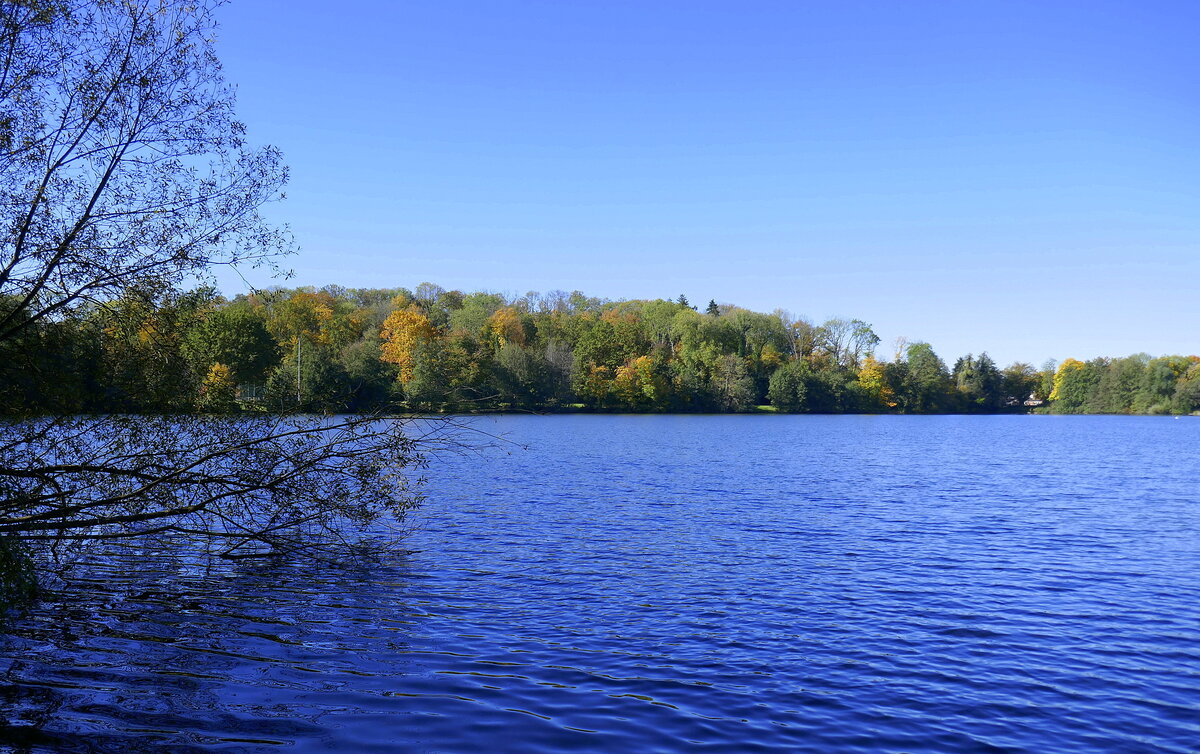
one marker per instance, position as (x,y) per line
(1021,178)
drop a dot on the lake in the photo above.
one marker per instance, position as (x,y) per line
(677,583)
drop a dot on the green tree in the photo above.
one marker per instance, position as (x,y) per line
(788,390)
(846,342)
(234,335)
(606,345)
(1156,392)
(927,383)
(477,308)
(1118,385)
(142,358)
(658,320)
(560,369)
(1187,392)
(310,379)
(732,386)
(1073,383)
(1046,378)
(1020,380)
(54,367)
(829,387)
(979,383)
(520,375)
(453,372)
(370,378)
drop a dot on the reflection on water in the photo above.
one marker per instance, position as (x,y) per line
(645,583)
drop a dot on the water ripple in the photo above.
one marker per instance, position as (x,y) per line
(658,584)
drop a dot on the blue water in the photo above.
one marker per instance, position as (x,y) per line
(659,583)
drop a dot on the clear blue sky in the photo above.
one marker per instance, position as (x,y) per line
(1016,177)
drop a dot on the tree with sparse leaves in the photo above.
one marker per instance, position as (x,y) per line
(123,168)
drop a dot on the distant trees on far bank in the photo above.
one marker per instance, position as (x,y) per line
(336,349)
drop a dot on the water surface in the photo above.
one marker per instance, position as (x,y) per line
(670,583)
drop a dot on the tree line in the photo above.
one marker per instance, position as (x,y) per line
(335,349)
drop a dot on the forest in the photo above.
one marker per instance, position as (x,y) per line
(334,349)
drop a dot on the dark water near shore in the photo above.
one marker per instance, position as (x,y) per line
(659,583)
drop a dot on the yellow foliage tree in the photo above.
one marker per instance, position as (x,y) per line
(304,314)
(597,383)
(149,333)
(1063,374)
(770,357)
(637,384)
(873,383)
(404,331)
(218,389)
(506,326)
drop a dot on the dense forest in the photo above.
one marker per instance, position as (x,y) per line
(350,350)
